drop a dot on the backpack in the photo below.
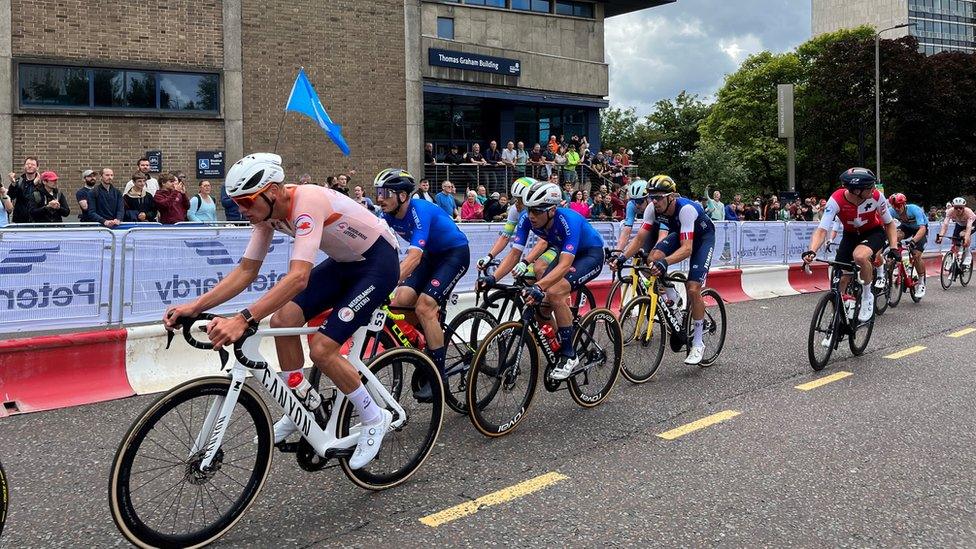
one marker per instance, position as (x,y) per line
(199,203)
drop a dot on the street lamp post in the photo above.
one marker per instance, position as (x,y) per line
(877,93)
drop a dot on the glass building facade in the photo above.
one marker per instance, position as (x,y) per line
(943,25)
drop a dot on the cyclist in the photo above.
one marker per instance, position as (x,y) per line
(636,206)
(353,281)
(964,219)
(692,235)
(515,211)
(867,221)
(651,230)
(914,224)
(580,261)
(437,258)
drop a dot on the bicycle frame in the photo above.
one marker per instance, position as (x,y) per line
(323,441)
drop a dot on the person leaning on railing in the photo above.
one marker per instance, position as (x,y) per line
(139,203)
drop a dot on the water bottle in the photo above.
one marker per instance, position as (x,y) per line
(550,334)
(304,391)
(849,304)
(413,336)
(906,260)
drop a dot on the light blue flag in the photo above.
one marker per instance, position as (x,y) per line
(304,100)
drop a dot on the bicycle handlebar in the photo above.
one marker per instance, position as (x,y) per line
(186,323)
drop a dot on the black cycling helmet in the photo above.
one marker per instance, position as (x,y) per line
(395,179)
(858,178)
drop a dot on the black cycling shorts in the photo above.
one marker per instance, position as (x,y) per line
(876,239)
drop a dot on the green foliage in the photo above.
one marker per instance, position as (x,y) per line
(715,167)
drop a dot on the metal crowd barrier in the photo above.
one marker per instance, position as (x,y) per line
(498,177)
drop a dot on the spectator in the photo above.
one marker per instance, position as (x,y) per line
(48,203)
(6,206)
(360,196)
(496,207)
(537,160)
(81,195)
(715,208)
(202,206)
(599,210)
(618,202)
(579,205)
(751,212)
(151,184)
(616,171)
(572,160)
(139,204)
(105,204)
(495,171)
(305,179)
(475,156)
(423,191)
(445,199)
(21,189)
(342,183)
(171,200)
(935,214)
(330,182)
(560,161)
(429,156)
(231,210)
(454,157)
(806,210)
(549,157)
(553,145)
(567,193)
(730,213)
(510,156)
(482,195)
(521,159)
(625,156)
(472,210)
(772,210)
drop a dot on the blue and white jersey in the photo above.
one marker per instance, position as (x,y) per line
(569,232)
(689,219)
(427,228)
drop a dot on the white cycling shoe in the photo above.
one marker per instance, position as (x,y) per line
(370,439)
(564,370)
(920,290)
(696,355)
(284,428)
(867,309)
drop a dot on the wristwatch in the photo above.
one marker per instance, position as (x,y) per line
(249,318)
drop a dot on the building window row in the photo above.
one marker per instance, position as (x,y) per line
(101,88)
(571,8)
(938,17)
(948,31)
(958,8)
(932,49)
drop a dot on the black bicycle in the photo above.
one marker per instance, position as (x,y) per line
(953,267)
(836,317)
(505,303)
(505,370)
(4,498)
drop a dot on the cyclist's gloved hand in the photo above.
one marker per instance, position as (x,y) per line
(484,261)
(486,282)
(617,262)
(808,256)
(521,268)
(893,255)
(613,257)
(659,267)
(534,293)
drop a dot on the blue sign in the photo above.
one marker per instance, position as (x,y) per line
(474,62)
(210,164)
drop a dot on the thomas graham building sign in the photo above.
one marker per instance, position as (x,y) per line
(474,62)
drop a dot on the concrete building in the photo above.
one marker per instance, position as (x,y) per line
(98,83)
(940,25)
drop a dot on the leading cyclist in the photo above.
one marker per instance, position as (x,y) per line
(580,261)
(651,230)
(437,258)
(354,280)
(867,221)
(914,225)
(964,219)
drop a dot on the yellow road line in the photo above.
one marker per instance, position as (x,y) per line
(962,332)
(700,424)
(494,498)
(823,381)
(906,352)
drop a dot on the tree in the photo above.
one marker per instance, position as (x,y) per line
(674,127)
(714,166)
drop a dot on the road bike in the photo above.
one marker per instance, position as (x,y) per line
(4,498)
(902,275)
(629,283)
(836,317)
(882,288)
(953,267)
(649,321)
(195,460)
(505,303)
(505,370)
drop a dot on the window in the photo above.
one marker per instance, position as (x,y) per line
(445,28)
(490,3)
(540,6)
(575,9)
(105,88)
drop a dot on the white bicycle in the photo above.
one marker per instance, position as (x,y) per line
(196,459)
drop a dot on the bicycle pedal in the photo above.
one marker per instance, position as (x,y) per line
(287,447)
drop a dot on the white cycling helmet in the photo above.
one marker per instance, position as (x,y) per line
(543,195)
(520,186)
(958,201)
(253,173)
(638,189)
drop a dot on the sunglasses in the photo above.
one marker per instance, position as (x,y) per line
(247,201)
(539,211)
(656,197)
(639,200)
(383,193)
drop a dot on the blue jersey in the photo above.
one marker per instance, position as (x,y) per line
(631,213)
(427,228)
(689,219)
(569,232)
(911,219)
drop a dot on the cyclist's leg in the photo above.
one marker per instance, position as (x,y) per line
(406,293)
(917,258)
(863,254)
(322,290)
(587,265)
(450,267)
(700,262)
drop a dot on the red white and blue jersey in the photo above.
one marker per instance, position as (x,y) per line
(856,218)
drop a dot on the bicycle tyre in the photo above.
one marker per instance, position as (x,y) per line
(461,348)
(505,306)
(635,338)
(493,373)
(397,381)
(133,526)
(619,288)
(712,327)
(897,286)
(966,275)
(4,498)
(826,306)
(864,330)
(882,296)
(947,271)
(592,325)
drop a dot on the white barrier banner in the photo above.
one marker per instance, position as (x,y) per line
(52,279)
(166,267)
(762,242)
(726,243)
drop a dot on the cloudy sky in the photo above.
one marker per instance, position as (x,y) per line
(692,44)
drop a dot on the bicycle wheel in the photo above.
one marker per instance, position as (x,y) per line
(620,291)
(4,498)
(504,305)
(404,449)
(882,296)
(463,335)
(965,274)
(502,380)
(897,282)
(860,336)
(713,329)
(642,354)
(599,346)
(947,271)
(158,495)
(913,273)
(581,302)
(823,331)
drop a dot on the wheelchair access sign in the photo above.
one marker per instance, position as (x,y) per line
(210,164)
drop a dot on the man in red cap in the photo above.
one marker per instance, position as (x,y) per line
(48,204)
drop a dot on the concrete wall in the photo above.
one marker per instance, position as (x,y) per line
(832,15)
(560,54)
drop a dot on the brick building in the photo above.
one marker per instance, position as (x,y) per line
(95,83)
